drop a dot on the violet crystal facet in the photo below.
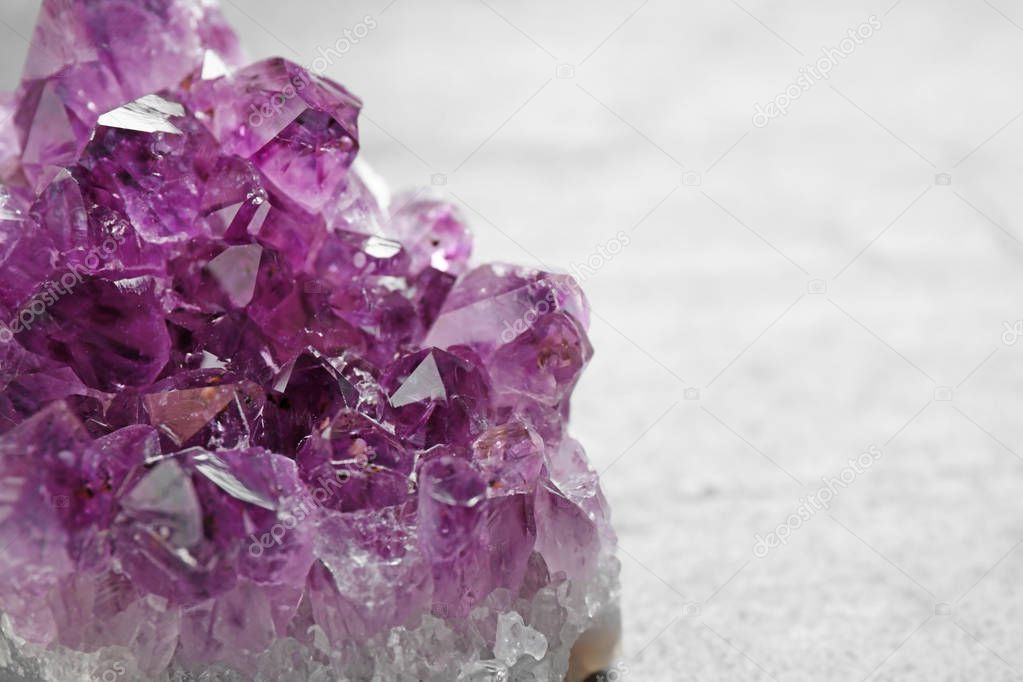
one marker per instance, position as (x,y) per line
(257,421)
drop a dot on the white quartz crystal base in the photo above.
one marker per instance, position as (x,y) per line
(531,641)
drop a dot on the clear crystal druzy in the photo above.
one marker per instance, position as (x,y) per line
(258,422)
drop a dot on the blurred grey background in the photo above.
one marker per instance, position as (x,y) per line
(795,290)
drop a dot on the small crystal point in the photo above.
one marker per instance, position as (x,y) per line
(181,414)
(236,270)
(424,383)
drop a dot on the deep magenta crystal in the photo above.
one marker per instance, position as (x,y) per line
(249,407)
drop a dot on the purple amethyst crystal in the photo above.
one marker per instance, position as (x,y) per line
(254,418)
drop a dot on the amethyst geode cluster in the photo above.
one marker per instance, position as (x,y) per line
(258,420)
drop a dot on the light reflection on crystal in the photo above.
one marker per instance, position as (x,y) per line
(148,114)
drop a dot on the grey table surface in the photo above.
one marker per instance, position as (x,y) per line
(791,295)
